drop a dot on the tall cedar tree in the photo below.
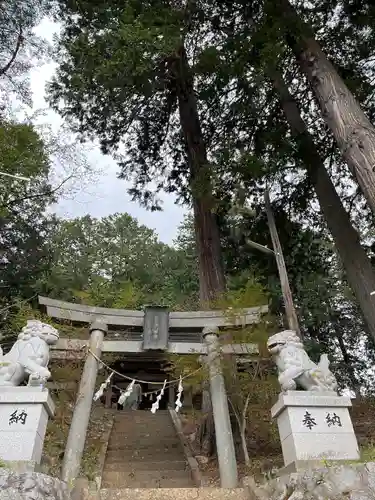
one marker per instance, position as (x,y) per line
(125,76)
(358,267)
(352,129)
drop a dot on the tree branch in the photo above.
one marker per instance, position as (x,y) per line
(49,192)
(5,68)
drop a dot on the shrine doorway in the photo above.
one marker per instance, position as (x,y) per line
(151,370)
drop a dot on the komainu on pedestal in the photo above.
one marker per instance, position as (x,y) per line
(313,420)
(29,356)
(296,370)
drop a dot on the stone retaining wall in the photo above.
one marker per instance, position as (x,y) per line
(332,482)
(31,486)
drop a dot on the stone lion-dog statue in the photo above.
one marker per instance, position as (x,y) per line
(296,370)
(29,356)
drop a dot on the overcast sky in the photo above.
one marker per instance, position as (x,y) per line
(105,194)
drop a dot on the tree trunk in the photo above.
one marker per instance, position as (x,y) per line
(207,428)
(353,131)
(357,265)
(211,270)
(290,311)
(355,386)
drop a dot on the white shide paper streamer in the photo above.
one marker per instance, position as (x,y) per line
(179,394)
(155,406)
(100,392)
(124,395)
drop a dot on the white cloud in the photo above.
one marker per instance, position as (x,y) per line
(104,193)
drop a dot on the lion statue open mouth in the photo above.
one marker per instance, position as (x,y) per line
(296,370)
(29,356)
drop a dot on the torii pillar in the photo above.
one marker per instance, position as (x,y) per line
(223,431)
(81,416)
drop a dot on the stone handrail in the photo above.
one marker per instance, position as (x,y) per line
(193,464)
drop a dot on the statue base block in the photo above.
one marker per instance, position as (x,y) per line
(24,413)
(315,426)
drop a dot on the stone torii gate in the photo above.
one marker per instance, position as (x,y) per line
(159,332)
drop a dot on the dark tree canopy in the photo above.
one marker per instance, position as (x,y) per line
(114,81)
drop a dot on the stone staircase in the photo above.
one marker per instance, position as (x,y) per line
(145,461)
(144,451)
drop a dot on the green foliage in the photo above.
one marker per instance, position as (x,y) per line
(22,150)
(233,304)
(20,312)
(136,41)
(118,263)
(185,365)
(24,225)
(368,453)
(104,293)
(251,295)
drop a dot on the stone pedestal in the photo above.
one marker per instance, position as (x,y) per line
(314,426)
(24,413)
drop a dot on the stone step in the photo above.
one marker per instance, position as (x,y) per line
(147,445)
(167,422)
(137,458)
(150,436)
(173,494)
(163,426)
(151,439)
(141,465)
(144,437)
(141,416)
(144,412)
(139,455)
(157,454)
(148,430)
(147,479)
